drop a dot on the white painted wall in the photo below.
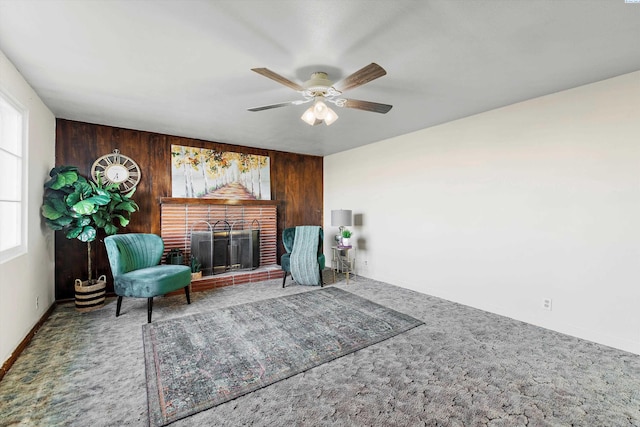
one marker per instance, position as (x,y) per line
(536,200)
(31,275)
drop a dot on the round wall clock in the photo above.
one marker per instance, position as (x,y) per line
(115,168)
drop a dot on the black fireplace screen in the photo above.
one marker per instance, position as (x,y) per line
(227,249)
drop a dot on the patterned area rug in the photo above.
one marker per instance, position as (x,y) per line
(196,362)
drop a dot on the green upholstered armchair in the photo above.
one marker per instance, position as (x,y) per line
(134,260)
(288,238)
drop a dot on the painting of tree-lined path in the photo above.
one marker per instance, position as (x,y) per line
(206,173)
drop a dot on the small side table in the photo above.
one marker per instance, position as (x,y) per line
(342,262)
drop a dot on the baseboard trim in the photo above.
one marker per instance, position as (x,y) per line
(25,342)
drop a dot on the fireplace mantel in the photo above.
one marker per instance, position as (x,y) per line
(203,201)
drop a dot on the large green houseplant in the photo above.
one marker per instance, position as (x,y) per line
(81,208)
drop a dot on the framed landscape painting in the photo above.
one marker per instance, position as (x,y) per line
(207,173)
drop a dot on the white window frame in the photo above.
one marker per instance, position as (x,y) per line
(21,248)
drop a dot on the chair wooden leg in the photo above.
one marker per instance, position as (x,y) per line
(284,278)
(321,281)
(118,305)
(149,309)
(186,292)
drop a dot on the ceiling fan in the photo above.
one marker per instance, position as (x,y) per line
(320,89)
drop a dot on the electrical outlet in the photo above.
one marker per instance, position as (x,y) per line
(546,303)
(37,302)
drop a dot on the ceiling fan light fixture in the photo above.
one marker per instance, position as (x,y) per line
(309,117)
(320,109)
(318,113)
(330,117)
(320,89)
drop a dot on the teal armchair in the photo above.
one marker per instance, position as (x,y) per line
(288,239)
(134,259)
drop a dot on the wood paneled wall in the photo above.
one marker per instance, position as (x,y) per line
(296,183)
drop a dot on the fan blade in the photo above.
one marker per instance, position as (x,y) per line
(367,106)
(360,77)
(281,104)
(278,78)
(268,107)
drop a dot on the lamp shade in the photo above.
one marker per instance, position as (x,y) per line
(341,218)
(330,117)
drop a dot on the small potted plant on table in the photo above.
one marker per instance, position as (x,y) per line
(346,235)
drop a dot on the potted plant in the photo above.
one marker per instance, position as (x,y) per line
(80,208)
(346,235)
(196,268)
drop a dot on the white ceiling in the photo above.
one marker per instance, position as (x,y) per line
(183,67)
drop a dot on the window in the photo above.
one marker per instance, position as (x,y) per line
(12,176)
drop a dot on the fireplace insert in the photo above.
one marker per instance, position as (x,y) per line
(228,249)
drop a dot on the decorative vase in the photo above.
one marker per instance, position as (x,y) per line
(345,241)
(90,297)
(196,276)
(175,257)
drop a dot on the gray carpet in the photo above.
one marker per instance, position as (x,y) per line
(464,367)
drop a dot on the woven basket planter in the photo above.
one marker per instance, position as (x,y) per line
(90,297)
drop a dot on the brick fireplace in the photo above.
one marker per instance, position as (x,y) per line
(226,236)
